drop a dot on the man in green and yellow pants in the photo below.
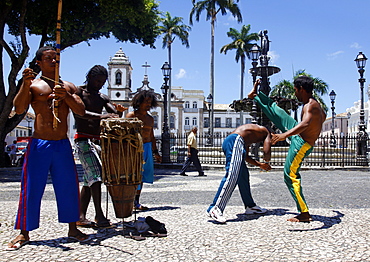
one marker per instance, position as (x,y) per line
(302,135)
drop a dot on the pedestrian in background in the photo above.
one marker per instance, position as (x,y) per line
(192,154)
(13,153)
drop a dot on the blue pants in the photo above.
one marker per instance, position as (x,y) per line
(236,174)
(148,167)
(42,157)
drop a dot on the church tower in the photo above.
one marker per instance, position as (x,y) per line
(119,77)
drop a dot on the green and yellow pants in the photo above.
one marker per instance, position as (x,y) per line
(298,149)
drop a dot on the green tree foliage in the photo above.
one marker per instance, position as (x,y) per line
(170,28)
(212,8)
(82,20)
(285,88)
(242,43)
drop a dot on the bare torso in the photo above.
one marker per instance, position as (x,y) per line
(251,133)
(94,102)
(318,116)
(41,104)
(148,121)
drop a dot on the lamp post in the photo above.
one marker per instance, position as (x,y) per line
(166,70)
(29,120)
(210,102)
(362,134)
(254,53)
(333,142)
(265,70)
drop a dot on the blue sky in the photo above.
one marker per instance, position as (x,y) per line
(322,37)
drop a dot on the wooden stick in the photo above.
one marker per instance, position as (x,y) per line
(57,47)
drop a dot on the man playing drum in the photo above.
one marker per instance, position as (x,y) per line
(87,141)
(142,102)
(49,149)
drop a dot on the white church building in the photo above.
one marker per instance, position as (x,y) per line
(188,107)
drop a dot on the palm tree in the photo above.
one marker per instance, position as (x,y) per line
(170,28)
(213,7)
(242,43)
(286,89)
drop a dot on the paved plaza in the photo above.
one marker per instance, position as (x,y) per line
(338,201)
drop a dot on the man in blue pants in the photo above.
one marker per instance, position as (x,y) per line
(49,149)
(236,149)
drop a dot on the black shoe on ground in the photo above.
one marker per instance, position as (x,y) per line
(183,174)
(202,174)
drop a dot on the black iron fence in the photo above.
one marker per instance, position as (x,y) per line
(343,153)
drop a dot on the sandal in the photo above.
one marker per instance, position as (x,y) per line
(16,243)
(80,237)
(85,223)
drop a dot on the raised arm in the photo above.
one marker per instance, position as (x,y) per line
(24,96)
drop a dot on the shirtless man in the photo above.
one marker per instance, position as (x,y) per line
(236,149)
(142,103)
(302,136)
(49,150)
(87,141)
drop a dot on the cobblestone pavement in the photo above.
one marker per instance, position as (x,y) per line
(339,202)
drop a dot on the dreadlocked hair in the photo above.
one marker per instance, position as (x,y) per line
(139,99)
(96,70)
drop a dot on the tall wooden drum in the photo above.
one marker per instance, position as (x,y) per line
(122,161)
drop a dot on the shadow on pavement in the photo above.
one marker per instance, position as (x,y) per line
(162,208)
(95,240)
(328,222)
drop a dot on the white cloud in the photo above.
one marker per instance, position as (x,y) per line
(356,45)
(181,74)
(232,18)
(334,55)
(274,57)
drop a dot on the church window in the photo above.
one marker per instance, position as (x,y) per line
(118,78)
(195,105)
(187,104)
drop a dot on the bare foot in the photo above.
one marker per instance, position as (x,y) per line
(253,92)
(304,217)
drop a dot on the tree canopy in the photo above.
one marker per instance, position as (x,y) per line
(285,88)
(82,20)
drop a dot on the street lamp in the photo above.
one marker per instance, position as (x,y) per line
(361,135)
(254,54)
(29,120)
(210,102)
(166,70)
(333,142)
